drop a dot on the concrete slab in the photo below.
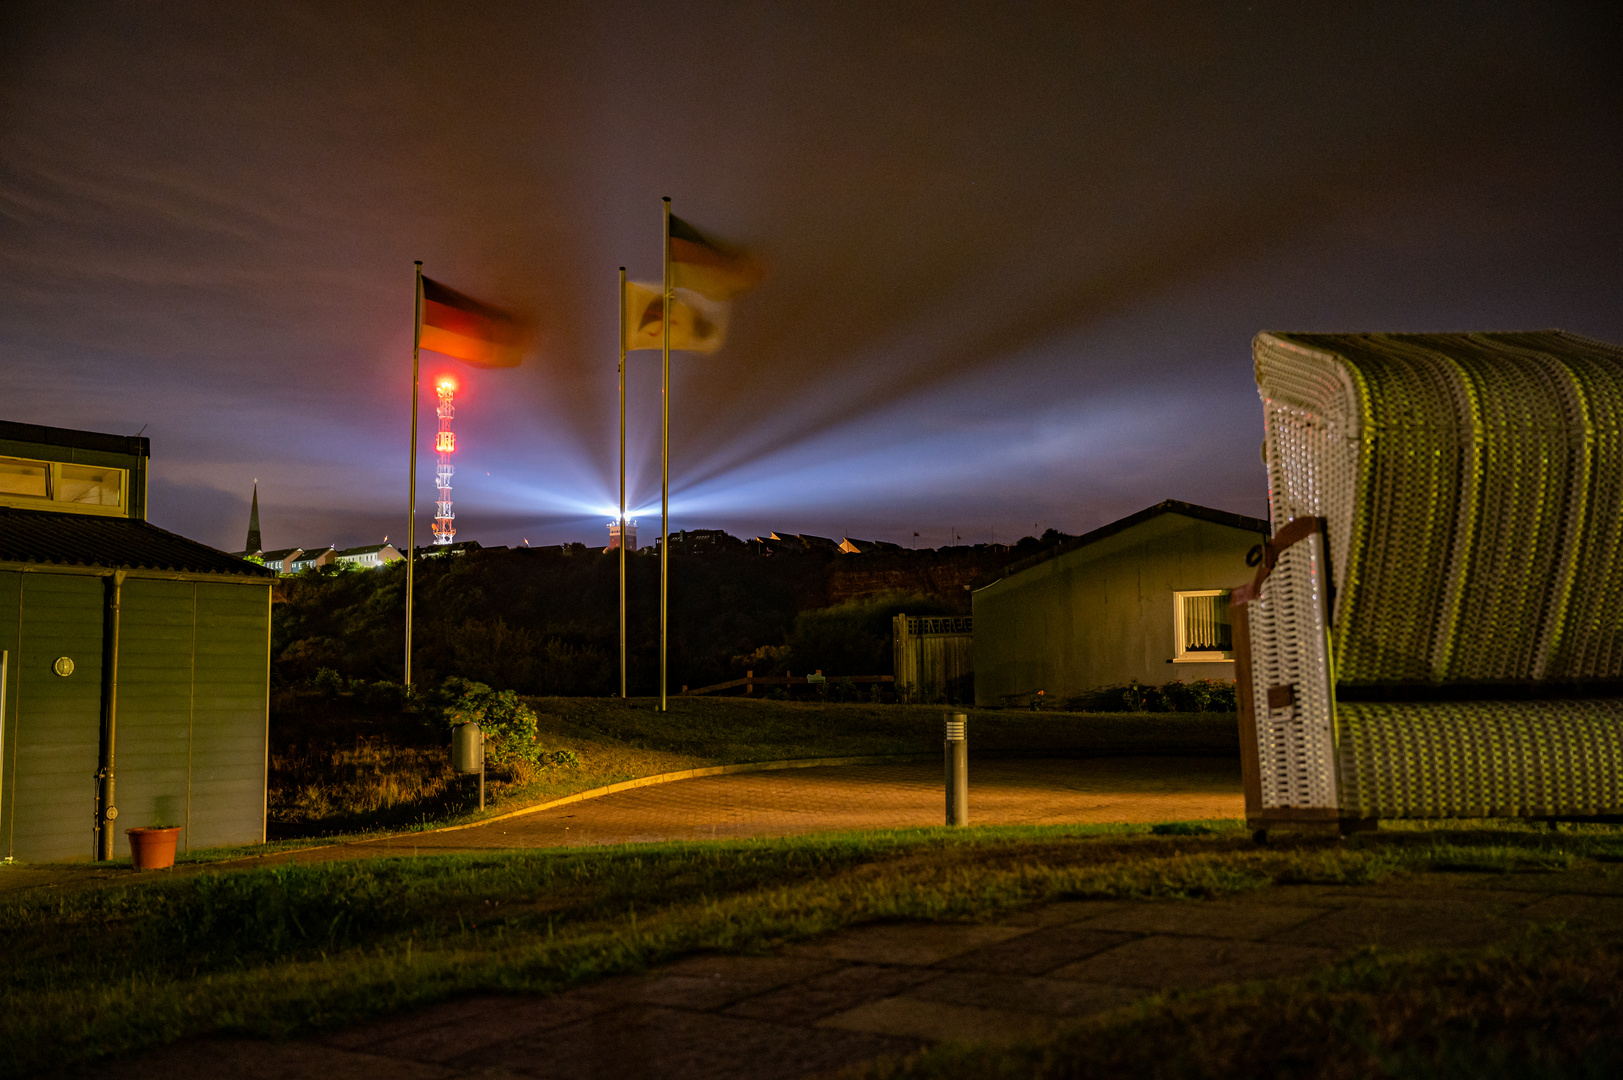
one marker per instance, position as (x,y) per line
(1166,962)
(935,1021)
(1583,910)
(1037,951)
(1024,993)
(439,1035)
(1208,918)
(653,1043)
(906,943)
(709,982)
(1408,924)
(844,988)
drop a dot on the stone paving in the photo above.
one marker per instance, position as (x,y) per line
(1024,791)
(874,990)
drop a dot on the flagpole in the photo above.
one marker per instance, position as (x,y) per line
(622,482)
(411,499)
(665,466)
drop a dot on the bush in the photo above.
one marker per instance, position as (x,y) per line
(853,638)
(1201,695)
(509,724)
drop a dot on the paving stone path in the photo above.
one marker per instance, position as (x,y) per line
(1024,791)
(889,989)
(1032,791)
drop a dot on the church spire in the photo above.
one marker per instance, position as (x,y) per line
(255,545)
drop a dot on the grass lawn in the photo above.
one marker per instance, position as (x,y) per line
(366,782)
(303,948)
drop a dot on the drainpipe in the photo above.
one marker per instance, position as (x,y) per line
(106,809)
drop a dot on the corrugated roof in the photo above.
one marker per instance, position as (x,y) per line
(53,539)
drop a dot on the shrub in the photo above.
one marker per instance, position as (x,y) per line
(328,682)
(509,724)
(853,638)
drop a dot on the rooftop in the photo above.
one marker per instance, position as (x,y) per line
(44,537)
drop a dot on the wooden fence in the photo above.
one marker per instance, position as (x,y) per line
(935,656)
(751,680)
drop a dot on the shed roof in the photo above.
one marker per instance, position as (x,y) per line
(137,445)
(54,539)
(1168,506)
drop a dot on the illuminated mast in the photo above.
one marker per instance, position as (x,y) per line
(445,444)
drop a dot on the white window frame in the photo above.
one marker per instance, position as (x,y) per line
(1179,654)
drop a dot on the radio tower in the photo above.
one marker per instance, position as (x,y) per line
(445,444)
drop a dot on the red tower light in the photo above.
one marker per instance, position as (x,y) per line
(445,443)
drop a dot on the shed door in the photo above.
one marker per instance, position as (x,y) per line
(53,741)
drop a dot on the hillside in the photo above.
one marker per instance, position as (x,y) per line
(547,621)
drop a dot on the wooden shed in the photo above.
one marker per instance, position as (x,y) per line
(135,662)
(1142,599)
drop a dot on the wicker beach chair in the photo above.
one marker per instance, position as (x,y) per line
(1435,629)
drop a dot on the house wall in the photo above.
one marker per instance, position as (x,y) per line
(192,694)
(53,723)
(1102,615)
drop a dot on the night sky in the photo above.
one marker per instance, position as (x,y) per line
(1017,251)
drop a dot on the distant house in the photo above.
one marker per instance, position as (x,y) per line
(282,560)
(134,663)
(368,557)
(807,541)
(864,547)
(700,541)
(309,558)
(1144,598)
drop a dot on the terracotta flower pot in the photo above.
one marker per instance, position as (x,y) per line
(153,849)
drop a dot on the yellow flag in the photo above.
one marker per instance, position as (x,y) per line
(698,324)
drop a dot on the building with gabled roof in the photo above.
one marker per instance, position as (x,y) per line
(864,547)
(367,556)
(280,560)
(1143,599)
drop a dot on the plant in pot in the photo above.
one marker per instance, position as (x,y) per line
(153,847)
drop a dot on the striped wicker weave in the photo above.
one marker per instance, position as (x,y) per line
(1470,487)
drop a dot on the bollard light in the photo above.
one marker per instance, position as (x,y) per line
(955,751)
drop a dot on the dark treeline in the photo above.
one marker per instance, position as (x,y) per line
(547,622)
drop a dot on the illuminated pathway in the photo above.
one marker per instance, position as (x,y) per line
(1045,791)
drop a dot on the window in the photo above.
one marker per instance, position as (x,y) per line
(88,485)
(21,477)
(1201,622)
(49,485)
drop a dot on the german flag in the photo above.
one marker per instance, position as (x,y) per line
(473,332)
(709,267)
